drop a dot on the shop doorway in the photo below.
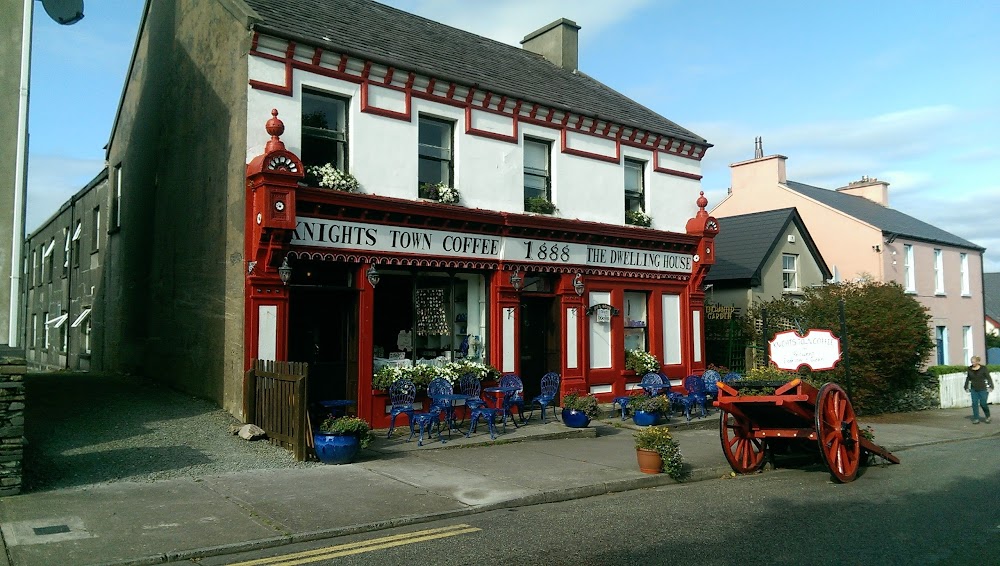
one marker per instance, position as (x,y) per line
(539,337)
(322,330)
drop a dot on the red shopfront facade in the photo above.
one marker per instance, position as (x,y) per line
(371,280)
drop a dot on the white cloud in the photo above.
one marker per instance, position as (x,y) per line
(52,181)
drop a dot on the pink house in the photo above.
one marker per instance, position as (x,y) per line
(859,235)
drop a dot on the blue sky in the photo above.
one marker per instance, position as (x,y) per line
(899,90)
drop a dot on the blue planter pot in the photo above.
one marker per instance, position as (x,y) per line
(575,419)
(336,448)
(645,418)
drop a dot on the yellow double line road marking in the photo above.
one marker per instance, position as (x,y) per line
(359,547)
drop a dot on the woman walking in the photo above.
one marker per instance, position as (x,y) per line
(979,383)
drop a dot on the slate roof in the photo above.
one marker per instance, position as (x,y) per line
(746,241)
(410,42)
(891,222)
(991,295)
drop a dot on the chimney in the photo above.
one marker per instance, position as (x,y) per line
(557,42)
(869,188)
(762,171)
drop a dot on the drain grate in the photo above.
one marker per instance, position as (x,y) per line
(51,530)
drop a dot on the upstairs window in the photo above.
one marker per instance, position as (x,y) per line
(116,203)
(537,177)
(964,273)
(434,149)
(95,232)
(789,272)
(76,243)
(34,267)
(324,130)
(635,188)
(48,261)
(66,238)
(909,283)
(938,272)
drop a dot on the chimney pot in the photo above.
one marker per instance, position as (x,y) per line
(558,42)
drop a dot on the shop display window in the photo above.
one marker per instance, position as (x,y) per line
(429,317)
(636,316)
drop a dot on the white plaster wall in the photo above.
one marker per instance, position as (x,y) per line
(382,154)
(953,393)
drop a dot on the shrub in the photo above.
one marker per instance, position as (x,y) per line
(654,404)
(659,440)
(586,404)
(348,425)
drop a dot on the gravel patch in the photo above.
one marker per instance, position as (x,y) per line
(85,429)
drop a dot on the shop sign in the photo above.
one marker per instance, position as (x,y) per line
(818,349)
(318,232)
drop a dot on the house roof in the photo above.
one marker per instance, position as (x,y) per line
(991,295)
(892,222)
(746,241)
(407,41)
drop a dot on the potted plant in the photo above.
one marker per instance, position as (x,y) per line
(657,451)
(638,218)
(641,362)
(328,176)
(439,192)
(540,205)
(578,408)
(338,439)
(648,410)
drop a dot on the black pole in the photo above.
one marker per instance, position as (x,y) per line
(763,335)
(843,345)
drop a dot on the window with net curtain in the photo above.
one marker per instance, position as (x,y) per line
(635,198)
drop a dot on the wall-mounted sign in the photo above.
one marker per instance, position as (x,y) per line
(360,236)
(818,349)
(603,311)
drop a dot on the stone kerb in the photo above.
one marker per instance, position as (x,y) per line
(13,366)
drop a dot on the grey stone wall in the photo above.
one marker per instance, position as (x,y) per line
(12,369)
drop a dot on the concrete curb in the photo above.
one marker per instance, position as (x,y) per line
(568,494)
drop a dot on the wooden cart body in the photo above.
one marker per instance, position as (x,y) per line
(796,411)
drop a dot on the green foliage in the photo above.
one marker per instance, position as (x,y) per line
(348,425)
(540,205)
(638,218)
(641,362)
(945,370)
(422,374)
(887,331)
(992,341)
(659,440)
(655,404)
(586,404)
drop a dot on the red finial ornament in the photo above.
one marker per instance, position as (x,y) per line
(702,202)
(275,127)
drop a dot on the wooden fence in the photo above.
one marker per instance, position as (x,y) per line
(275,400)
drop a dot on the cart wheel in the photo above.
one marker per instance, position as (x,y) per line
(837,429)
(744,452)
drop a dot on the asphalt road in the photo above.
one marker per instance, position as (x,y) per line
(940,506)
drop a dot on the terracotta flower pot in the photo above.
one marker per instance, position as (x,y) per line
(650,461)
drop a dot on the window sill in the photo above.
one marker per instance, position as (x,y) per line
(115,230)
(940,294)
(796,292)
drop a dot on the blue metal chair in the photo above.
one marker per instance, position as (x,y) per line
(711,379)
(550,390)
(672,396)
(512,399)
(622,403)
(425,422)
(470,386)
(695,387)
(489,414)
(731,377)
(441,386)
(402,392)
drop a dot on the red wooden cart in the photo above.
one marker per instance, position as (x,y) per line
(796,411)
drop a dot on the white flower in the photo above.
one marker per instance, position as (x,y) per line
(330,177)
(440,192)
(638,218)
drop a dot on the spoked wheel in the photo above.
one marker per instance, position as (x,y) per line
(837,428)
(744,452)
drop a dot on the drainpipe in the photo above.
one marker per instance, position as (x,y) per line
(20,181)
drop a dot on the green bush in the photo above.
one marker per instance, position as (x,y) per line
(658,439)
(586,404)
(888,338)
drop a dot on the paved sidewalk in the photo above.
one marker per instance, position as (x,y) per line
(395,483)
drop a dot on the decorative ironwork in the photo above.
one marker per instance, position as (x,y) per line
(578,284)
(285,271)
(594,308)
(373,276)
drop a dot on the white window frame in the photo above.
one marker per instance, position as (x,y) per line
(794,272)
(942,352)
(909,281)
(34,330)
(117,208)
(963,266)
(938,272)
(967,344)
(45,332)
